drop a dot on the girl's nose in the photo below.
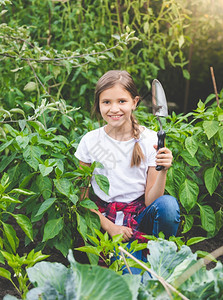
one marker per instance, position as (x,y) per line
(114,108)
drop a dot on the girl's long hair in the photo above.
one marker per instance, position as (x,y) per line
(124,79)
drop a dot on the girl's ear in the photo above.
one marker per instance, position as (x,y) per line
(135,101)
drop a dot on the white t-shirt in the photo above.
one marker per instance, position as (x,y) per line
(126,183)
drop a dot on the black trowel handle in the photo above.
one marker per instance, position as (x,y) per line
(161,139)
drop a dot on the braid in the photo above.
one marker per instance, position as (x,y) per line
(137,154)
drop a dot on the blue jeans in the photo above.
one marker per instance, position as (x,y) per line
(162,215)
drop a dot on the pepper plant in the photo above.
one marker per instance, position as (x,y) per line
(39,157)
(196,140)
(19,265)
(8,201)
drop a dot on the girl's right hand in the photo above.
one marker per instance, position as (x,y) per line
(126,232)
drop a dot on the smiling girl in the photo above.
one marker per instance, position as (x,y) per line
(136,203)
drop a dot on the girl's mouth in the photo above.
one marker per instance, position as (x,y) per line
(115,117)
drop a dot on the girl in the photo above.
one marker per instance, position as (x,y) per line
(135,204)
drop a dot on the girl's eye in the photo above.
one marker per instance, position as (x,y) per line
(122,101)
(106,102)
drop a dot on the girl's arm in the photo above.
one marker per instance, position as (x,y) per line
(156,180)
(106,224)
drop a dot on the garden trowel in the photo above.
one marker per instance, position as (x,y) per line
(160,109)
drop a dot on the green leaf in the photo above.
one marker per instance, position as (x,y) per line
(209,98)
(98,283)
(192,161)
(89,249)
(206,150)
(102,182)
(64,241)
(191,145)
(161,62)
(7,160)
(220,132)
(181,40)
(10,199)
(30,86)
(34,257)
(52,228)
(5,273)
(45,170)
(5,180)
(59,167)
(22,124)
(186,74)
(45,206)
(88,204)
(77,282)
(61,138)
(22,141)
(44,271)
(63,185)
(210,128)
(175,178)
(32,155)
(2,261)
(93,222)
(73,198)
(96,164)
(11,236)
(66,121)
(26,180)
(44,185)
(25,224)
(208,221)
(189,221)
(206,254)
(188,194)
(212,178)
(5,145)
(195,240)
(164,257)
(170,187)
(82,226)
(134,283)
(203,284)
(93,240)
(200,107)
(22,192)
(219,219)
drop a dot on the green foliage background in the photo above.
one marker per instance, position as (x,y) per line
(52,54)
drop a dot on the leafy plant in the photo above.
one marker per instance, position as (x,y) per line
(40,157)
(70,45)
(195,178)
(108,250)
(8,201)
(173,266)
(178,268)
(17,264)
(77,282)
(196,141)
(9,242)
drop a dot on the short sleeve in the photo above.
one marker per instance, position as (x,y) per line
(151,151)
(82,152)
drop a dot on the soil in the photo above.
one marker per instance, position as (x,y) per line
(207,245)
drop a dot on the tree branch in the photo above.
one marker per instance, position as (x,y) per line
(47,60)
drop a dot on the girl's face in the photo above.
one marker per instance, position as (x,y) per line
(116,105)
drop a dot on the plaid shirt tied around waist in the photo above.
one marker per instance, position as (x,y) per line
(130,210)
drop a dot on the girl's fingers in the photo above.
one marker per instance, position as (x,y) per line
(164,158)
(127,233)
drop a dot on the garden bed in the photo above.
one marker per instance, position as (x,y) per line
(208,245)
